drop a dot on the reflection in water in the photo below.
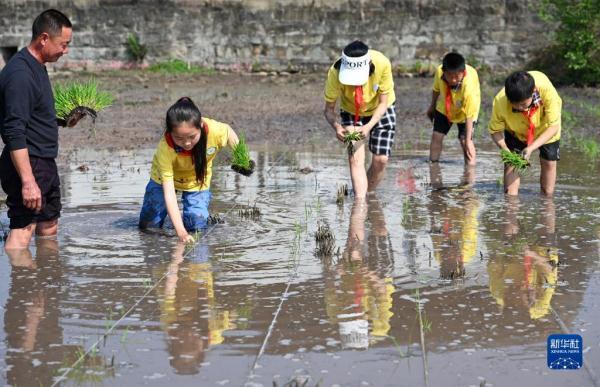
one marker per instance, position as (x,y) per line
(31,318)
(524,273)
(358,290)
(492,323)
(406,181)
(190,315)
(454,223)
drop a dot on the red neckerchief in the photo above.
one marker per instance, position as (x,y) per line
(449,96)
(528,114)
(179,150)
(358,102)
(446,228)
(531,129)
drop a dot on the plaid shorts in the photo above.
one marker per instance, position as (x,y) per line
(381,139)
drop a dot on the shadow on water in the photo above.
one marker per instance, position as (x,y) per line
(437,279)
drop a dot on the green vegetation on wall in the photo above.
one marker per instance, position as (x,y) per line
(574,57)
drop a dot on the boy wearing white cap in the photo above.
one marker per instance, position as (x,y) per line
(362,80)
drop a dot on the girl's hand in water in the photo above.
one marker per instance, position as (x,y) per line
(185,237)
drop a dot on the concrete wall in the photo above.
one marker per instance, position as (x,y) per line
(285,34)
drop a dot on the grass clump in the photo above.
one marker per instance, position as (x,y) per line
(135,49)
(178,66)
(589,147)
(67,98)
(349,139)
(515,160)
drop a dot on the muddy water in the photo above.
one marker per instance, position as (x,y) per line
(436,280)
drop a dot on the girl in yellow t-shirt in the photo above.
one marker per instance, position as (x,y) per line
(183,162)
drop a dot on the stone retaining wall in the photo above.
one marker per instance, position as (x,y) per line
(284,34)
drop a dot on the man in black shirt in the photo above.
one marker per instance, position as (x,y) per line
(30,133)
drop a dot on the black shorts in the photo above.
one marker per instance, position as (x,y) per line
(441,125)
(550,152)
(381,138)
(46,176)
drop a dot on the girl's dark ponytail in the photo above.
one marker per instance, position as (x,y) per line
(199,155)
(185,110)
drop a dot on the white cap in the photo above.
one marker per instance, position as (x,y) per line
(354,71)
(354,333)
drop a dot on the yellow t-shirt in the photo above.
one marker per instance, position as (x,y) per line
(379,305)
(503,118)
(195,282)
(167,164)
(463,230)
(470,229)
(503,272)
(465,100)
(380,82)
(360,292)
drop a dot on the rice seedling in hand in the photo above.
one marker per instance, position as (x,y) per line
(349,139)
(241,162)
(515,160)
(76,100)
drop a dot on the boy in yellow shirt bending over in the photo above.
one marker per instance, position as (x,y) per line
(526,116)
(455,99)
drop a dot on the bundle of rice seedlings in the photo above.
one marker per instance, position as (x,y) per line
(325,240)
(74,100)
(215,219)
(515,160)
(250,212)
(349,139)
(341,193)
(241,161)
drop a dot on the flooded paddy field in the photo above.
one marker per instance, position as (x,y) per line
(438,279)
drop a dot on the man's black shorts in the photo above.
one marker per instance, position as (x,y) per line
(46,175)
(550,151)
(441,125)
